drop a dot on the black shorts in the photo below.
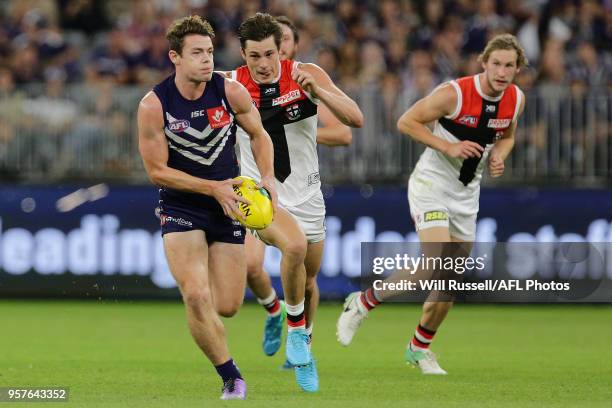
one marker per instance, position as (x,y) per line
(218,227)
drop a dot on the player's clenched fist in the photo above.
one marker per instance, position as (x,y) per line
(306,81)
(496,165)
(464,150)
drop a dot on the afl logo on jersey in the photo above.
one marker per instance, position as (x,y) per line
(293,112)
(218,117)
(471,121)
(178,125)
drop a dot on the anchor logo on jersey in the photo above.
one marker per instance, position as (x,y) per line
(293,112)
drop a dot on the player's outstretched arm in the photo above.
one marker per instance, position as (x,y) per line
(316,82)
(504,146)
(333,132)
(248,118)
(153,149)
(441,102)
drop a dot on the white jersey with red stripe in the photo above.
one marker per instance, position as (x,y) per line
(477,117)
(289,115)
(444,191)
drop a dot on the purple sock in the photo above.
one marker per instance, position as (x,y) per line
(228,370)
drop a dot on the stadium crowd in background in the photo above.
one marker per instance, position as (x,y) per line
(70,68)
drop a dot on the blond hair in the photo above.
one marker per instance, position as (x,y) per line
(505,42)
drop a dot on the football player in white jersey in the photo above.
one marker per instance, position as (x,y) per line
(286,94)
(475,120)
(332,133)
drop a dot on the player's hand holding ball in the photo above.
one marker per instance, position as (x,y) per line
(270,185)
(225,193)
(257,213)
(496,165)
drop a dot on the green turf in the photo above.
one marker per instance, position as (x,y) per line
(141,355)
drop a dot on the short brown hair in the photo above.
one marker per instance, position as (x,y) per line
(258,28)
(505,42)
(185,26)
(289,23)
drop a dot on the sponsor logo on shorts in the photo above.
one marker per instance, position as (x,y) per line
(499,123)
(471,121)
(180,221)
(435,216)
(237,233)
(286,98)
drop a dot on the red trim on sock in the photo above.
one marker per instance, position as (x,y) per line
(274,306)
(364,302)
(301,322)
(428,336)
(371,298)
(417,343)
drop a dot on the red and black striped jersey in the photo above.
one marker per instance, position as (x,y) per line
(477,117)
(289,115)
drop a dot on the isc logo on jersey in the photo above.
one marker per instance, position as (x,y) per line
(217,117)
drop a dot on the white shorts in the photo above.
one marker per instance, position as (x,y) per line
(431,206)
(310,216)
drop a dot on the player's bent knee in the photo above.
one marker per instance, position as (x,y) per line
(229,308)
(296,250)
(196,298)
(254,270)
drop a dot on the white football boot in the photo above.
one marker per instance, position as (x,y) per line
(351,318)
(425,360)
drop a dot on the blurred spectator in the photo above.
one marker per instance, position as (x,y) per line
(88,16)
(588,68)
(86,63)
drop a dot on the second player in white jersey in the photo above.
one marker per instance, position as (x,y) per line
(290,113)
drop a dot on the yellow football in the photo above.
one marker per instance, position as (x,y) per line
(259,213)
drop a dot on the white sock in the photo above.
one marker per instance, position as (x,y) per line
(268,303)
(295,316)
(267,300)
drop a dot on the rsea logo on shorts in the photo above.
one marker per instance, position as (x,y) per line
(435,216)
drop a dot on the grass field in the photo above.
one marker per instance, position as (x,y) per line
(141,355)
